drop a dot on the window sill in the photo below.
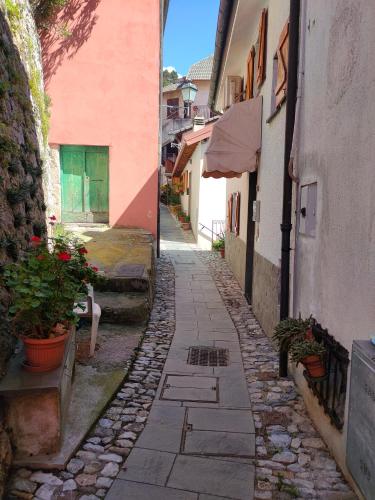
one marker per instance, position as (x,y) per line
(276,112)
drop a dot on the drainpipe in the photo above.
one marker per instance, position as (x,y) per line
(286,225)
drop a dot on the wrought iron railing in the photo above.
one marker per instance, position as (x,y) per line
(331,389)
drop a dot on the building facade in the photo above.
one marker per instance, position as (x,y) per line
(103,77)
(313,180)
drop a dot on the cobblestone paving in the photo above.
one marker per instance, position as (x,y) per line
(291,459)
(90,474)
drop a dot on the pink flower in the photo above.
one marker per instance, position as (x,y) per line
(64,256)
(52,217)
(94,268)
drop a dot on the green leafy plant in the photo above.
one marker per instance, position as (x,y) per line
(174,199)
(44,11)
(187,218)
(291,329)
(300,349)
(16,195)
(45,284)
(218,244)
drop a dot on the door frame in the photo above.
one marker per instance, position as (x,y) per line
(250,240)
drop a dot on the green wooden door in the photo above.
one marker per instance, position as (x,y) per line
(84,183)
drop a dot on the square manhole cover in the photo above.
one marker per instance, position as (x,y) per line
(190,388)
(208,356)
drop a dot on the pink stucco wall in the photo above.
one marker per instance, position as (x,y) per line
(103,80)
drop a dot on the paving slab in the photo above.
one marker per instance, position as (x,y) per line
(217,477)
(221,420)
(160,437)
(225,444)
(122,489)
(148,466)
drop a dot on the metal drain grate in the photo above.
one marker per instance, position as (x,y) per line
(208,356)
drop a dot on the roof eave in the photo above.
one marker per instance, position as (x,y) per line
(223,21)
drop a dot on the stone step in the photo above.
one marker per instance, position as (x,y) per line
(123,284)
(123,308)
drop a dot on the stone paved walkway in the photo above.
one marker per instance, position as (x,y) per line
(199,440)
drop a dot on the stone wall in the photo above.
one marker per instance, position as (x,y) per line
(266,293)
(235,254)
(23,157)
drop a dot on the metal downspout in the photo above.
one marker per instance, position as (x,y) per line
(286,225)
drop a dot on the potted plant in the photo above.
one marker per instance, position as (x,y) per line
(185,224)
(44,286)
(291,329)
(310,353)
(219,245)
(181,216)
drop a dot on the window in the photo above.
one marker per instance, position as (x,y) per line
(262,48)
(172,108)
(233,219)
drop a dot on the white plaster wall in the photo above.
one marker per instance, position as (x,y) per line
(207,198)
(335,277)
(335,270)
(201,98)
(212,200)
(270,173)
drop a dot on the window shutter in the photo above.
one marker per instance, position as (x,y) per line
(261,66)
(237,215)
(250,74)
(229,214)
(282,65)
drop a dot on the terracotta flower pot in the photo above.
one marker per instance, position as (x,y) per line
(222,252)
(181,218)
(314,366)
(185,225)
(45,354)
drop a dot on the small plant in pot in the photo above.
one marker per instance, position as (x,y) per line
(44,286)
(181,216)
(291,329)
(185,223)
(219,245)
(311,354)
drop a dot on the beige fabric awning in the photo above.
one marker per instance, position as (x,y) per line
(235,141)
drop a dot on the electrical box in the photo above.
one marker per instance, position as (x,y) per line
(307,215)
(256,211)
(360,453)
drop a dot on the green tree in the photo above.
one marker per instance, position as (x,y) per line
(169,76)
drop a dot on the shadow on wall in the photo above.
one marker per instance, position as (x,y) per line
(72,27)
(142,210)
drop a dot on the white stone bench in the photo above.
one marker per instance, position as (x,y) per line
(90,309)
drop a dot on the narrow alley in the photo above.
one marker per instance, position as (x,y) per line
(200,440)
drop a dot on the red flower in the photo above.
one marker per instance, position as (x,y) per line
(86,264)
(41,257)
(94,268)
(64,256)
(82,250)
(36,241)
(52,217)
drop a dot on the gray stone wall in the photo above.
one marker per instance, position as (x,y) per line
(23,157)
(266,293)
(235,254)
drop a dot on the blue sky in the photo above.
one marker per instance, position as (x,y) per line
(189,32)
